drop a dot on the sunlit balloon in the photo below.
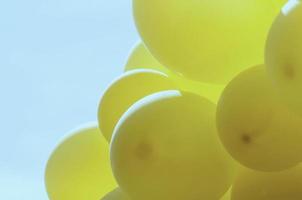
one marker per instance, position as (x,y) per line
(79,167)
(167,142)
(125,91)
(207,41)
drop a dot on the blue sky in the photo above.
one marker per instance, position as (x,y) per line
(56,59)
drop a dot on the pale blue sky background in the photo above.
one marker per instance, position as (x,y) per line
(56,58)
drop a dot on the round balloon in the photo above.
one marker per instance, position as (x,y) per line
(141,58)
(79,167)
(166,147)
(255,127)
(208,41)
(125,91)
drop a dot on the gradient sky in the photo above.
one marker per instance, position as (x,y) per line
(56,59)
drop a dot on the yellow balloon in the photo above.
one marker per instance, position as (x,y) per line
(116,194)
(255,185)
(79,168)
(140,57)
(125,91)
(207,41)
(166,147)
(283,55)
(255,127)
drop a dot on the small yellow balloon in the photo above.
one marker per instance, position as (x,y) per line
(116,194)
(79,168)
(256,185)
(140,57)
(125,91)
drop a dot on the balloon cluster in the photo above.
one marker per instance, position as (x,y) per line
(208,108)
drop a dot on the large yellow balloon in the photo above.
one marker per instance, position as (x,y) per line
(166,147)
(208,41)
(255,127)
(125,91)
(140,57)
(116,194)
(79,167)
(255,185)
(283,55)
